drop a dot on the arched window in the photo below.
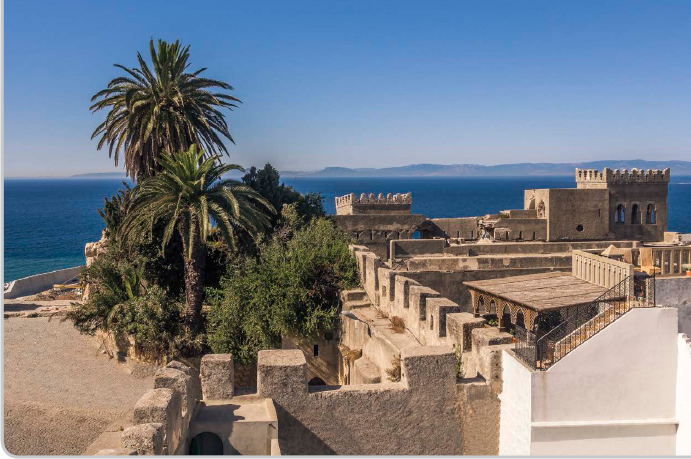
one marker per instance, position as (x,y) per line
(635,214)
(620,215)
(520,322)
(650,215)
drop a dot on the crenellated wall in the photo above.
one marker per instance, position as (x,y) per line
(350,204)
(417,415)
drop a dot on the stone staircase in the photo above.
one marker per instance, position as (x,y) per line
(353,299)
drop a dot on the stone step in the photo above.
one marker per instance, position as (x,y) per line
(349,305)
(357,294)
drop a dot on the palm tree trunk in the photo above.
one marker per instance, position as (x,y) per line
(195,266)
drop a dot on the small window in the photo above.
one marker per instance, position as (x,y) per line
(416,235)
(472,233)
(635,215)
(328,336)
(579,228)
(458,234)
(650,215)
(620,215)
(315,350)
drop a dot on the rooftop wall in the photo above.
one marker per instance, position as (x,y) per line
(613,395)
(415,416)
(592,178)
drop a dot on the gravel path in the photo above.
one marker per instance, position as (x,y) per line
(60,392)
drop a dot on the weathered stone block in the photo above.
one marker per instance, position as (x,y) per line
(490,336)
(437,310)
(217,376)
(491,365)
(280,373)
(145,439)
(171,378)
(428,366)
(418,300)
(459,327)
(193,374)
(161,406)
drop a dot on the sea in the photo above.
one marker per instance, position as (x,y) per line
(48,221)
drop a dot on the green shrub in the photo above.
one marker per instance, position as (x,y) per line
(291,288)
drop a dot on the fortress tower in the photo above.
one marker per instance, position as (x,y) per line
(369,204)
(637,200)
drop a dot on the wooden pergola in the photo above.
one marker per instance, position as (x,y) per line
(524,298)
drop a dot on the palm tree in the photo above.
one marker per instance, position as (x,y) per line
(184,196)
(153,113)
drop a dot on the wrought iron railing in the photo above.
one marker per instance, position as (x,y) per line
(542,349)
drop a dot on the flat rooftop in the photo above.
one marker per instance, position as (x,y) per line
(541,292)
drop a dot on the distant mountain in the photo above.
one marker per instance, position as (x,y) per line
(477,170)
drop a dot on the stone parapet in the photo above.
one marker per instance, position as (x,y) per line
(162,406)
(146,439)
(217,376)
(609,176)
(350,204)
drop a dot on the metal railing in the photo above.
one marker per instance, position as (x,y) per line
(541,350)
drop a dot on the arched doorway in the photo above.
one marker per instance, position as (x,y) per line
(206,444)
(316,381)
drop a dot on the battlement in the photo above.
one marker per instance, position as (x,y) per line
(595,178)
(350,204)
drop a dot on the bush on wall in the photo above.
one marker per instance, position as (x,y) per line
(292,287)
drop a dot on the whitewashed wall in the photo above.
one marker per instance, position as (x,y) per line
(684,396)
(613,395)
(514,415)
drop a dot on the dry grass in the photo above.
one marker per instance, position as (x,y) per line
(397,324)
(394,373)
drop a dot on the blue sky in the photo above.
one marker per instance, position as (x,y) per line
(368,83)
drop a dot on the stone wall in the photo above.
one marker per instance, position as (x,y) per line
(39,283)
(459,228)
(375,231)
(599,270)
(407,248)
(415,416)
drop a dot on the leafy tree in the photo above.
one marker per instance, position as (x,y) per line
(114,210)
(183,197)
(161,111)
(291,288)
(266,182)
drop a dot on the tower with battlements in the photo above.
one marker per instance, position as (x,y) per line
(371,204)
(637,200)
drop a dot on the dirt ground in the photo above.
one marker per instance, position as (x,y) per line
(60,392)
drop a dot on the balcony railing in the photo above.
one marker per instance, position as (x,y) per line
(542,350)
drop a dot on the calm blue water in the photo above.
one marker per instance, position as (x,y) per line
(47,222)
